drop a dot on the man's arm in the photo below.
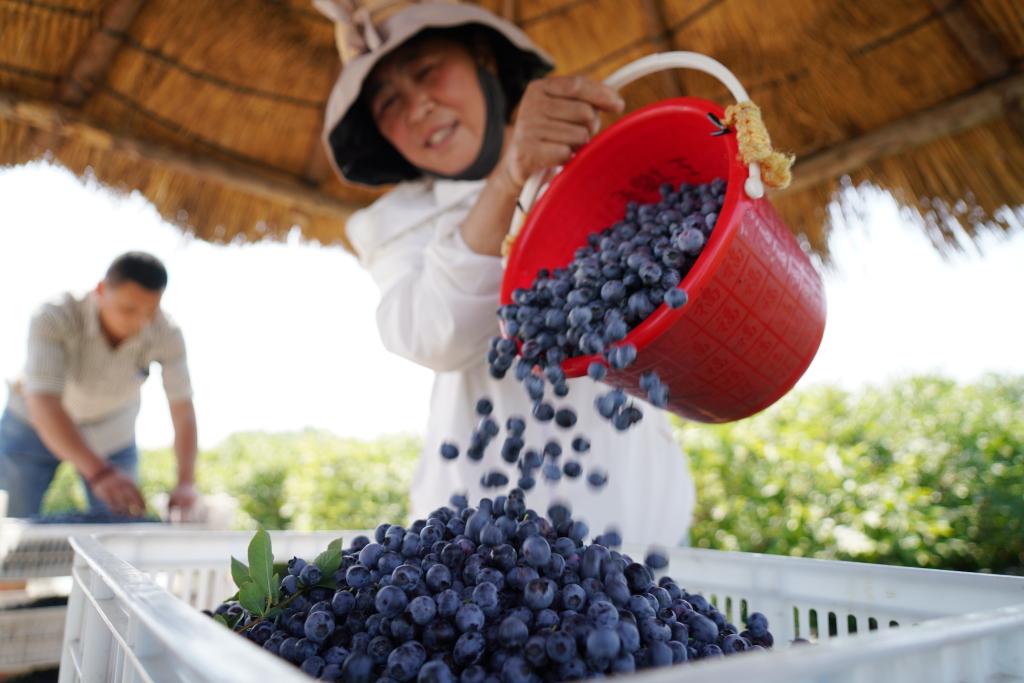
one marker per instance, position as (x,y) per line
(62,437)
(186,445)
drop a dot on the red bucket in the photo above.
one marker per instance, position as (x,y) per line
(756,310)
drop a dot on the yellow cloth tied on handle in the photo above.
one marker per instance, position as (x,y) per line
(756,146)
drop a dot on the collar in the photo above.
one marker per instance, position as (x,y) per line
(91,313)
(449,193)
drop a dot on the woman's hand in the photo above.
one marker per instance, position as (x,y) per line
(556,117)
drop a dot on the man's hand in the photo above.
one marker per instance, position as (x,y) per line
(183,498)
(118,491)
(556,116)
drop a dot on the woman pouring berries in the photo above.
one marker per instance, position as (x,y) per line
(451,104)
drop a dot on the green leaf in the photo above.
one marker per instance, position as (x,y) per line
(239,572)
(252,598)
(328,561)
(221,619)
(275,588)
(261,562)
(336,544)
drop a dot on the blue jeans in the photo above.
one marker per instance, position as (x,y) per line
(27,468)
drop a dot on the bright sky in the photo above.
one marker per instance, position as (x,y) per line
(282,336)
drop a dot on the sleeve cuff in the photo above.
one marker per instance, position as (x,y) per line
(42,385)
(468,272)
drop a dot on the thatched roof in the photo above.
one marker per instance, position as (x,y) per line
(213,108)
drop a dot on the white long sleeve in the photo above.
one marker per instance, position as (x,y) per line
(438,308)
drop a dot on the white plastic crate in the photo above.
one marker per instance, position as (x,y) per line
(29,551)
(932,626)
(31,638)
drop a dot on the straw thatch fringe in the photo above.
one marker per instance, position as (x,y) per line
(228,215)
(952,186)
(242,82)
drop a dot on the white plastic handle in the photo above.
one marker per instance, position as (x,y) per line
(626,75)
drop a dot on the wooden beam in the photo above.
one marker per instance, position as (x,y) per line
(654,14)
(318,167)
(977,42)
(949,118)
(95,57)
(280,188)
(509,11)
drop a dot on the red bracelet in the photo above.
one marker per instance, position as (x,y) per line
(107,470)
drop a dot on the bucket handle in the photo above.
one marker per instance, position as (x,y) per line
(645,66)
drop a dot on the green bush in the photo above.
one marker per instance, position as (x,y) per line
(920,472)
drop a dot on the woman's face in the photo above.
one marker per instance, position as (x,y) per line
(427,102)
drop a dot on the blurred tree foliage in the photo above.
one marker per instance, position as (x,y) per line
(920,472)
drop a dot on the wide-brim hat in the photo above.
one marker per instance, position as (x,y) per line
(366,31)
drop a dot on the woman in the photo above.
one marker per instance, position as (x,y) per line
(425,100)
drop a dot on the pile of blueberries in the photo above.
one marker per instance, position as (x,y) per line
(491,594)
(614,282)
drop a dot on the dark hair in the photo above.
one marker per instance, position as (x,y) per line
(139,267)
(365,156)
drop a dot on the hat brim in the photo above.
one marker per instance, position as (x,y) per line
(399,29)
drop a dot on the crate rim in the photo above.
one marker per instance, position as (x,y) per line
(169,618)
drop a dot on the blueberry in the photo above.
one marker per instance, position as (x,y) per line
(597,478)
(573,597)
(659,654)
(536,551)
(485,595)
(390,601)
(622,357)
(543,412)
(581,444)
(701,628)
(290,584)
(711,650)
(484,407)
(656,560)
(515,426)
(469,648)
(572,469)
(612,291)
(358,668)
(603,643)
(435,671)
(596,371)
(560,647)
(295,565)
(580,316)
(422,609)
(691,241)
(757,624)
(512,633)
(605,406)
(310,575)
(449,451)
(319,626)
(733,643)
(494,479)
(539,594)
(313,666)
(305,648)
(676,298)
(565,418)
(552,472)
(405,661)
